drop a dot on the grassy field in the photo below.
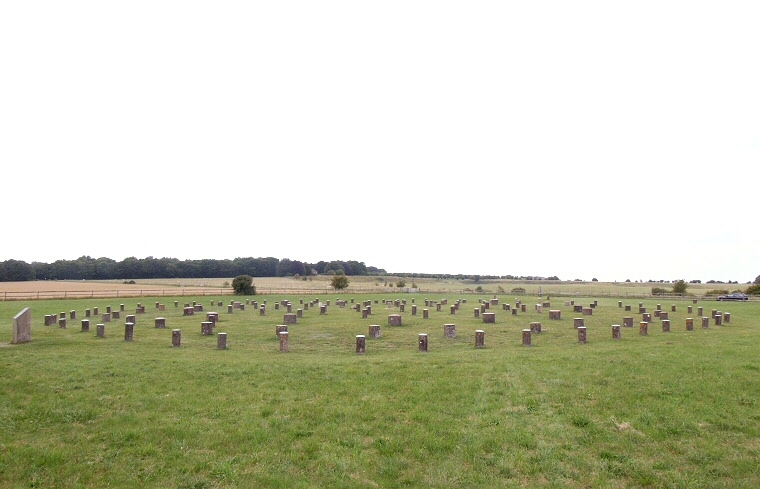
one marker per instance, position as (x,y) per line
(675,409)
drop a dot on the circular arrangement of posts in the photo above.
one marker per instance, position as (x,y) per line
(484,312)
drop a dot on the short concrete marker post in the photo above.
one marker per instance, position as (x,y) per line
(527,337)
(422,341)
(394,319)
(279,329)
(581,334)
(374,331)
(615,331)
(450,330)
(207,328)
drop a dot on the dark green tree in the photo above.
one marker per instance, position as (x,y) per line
(16,271)
(129,267)
(243,285)
(104,269)
(339,282)
(287,268)
(336,267)
(753,289)
(680,286)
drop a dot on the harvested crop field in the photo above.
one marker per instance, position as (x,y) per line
(48,289)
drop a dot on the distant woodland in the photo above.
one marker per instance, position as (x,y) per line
(88,268)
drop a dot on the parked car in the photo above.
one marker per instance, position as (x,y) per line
(734,296)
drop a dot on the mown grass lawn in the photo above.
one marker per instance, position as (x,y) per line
(677,409)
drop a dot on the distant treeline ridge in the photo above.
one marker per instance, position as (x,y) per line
(87,268)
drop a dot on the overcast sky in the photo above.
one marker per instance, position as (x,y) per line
(584,139)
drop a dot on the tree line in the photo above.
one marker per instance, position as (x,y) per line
(88,268)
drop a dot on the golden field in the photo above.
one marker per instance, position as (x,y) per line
(357,284)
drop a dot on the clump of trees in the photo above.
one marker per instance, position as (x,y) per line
(15,271)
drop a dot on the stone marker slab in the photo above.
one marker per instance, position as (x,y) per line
(22,326)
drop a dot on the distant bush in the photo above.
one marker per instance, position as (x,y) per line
(517,290)
(400,284)
(339,282)
(753,289)
(129,282)
(659,290)
(680,286)
(717,292)
(243,285)
(479,288)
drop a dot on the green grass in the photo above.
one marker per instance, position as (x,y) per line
(678,409)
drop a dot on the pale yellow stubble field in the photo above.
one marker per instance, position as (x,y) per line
(357,284)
